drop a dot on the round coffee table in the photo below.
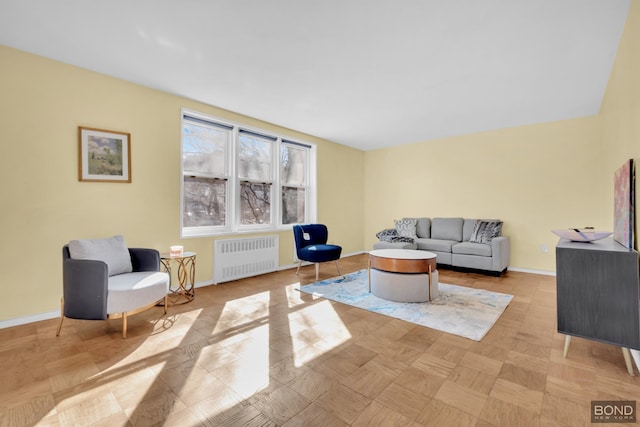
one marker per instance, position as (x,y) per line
(403,275)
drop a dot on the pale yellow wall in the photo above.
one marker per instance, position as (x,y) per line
(534,178)
(621,105)
(42,103)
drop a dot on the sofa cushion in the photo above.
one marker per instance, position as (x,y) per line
(406,228)
(447,229)
(437,245)
(467,229)
(112,251)
(484,231)
(469,248)
(423,228)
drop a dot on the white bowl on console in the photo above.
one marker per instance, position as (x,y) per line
(581,235)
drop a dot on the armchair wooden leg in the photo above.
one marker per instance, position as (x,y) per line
(124,325)
(166,303)
(61,316)
(299,264)
(338,268)
(317,270)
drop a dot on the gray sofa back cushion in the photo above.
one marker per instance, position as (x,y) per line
(467,229)
(423,227)
(447,228)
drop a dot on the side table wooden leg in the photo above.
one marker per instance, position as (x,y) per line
(369,274)
(627,360)
(430,284)
(567,341)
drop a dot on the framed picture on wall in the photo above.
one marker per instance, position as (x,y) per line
(624,204)
(104,155)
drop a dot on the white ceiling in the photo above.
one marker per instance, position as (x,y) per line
(363,73)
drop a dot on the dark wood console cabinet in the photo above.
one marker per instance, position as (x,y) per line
(599,292)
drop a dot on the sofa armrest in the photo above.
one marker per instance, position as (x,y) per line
(500,252)
(84,289)
(143,259)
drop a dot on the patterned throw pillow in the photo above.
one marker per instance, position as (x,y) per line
(387,234)
(407,228)
(485,231)
(400,239)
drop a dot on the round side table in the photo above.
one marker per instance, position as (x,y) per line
(403,275)
(183,291)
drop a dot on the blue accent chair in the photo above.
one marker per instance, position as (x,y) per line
(311,246)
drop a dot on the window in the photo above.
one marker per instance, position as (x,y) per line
(255,171)
(205,153)
(294,177)
(237,179)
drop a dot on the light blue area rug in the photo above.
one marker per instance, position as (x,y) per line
(458,310)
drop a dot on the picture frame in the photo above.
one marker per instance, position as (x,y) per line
(624,204)
(104,155)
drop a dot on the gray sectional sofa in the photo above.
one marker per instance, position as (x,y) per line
(458,242)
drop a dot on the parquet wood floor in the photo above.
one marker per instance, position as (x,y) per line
(256,352)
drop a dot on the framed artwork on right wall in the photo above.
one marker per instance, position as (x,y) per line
(624,204)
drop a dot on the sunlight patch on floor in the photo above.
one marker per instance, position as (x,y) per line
(315,323)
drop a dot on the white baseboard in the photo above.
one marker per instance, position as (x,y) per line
(29,319)
(529,270)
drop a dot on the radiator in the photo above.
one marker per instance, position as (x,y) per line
(237,258)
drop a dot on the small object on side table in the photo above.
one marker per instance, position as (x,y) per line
(184,290)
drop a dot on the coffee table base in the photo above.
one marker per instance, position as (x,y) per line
(403,287)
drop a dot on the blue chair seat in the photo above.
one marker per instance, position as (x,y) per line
(321,253)
(311,246)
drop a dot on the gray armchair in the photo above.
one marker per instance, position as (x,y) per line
(106,280)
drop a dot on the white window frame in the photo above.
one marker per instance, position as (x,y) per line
(273,179)
(233,182)
(309,189)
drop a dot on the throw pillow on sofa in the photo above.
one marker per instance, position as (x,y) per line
(485,231)
(387,234)
(407,228)
(401,239)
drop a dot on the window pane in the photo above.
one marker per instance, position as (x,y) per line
(293,202)
(255,158)
(293,165)
(204,148)
(255,203)
(204,202)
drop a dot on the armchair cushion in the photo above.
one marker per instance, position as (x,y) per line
(320,253)
(112,251)
(127,292)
